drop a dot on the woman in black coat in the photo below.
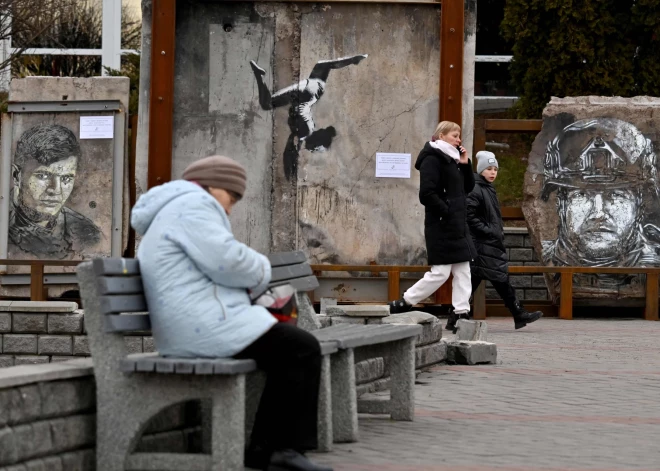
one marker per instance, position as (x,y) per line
(446,178)
(485,221)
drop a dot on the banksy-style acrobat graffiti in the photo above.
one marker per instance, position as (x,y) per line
(302,97)
(605,174)
(44,174)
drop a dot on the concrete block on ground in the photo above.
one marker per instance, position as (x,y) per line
(19,343)
(471,330)
(5,322)
(65,323)
(430,354)
(412,317)
(325,303)
(325,321)
(359,310)
(431,333)
(375,320)
(336,320)
(29,323)
(463,352)
(369,370)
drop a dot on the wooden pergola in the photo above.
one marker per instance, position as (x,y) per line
(163,43)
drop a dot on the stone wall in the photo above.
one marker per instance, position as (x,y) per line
(48,420)
(519,248)
(34,332)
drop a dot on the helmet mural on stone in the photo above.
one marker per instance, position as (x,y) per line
(602,153)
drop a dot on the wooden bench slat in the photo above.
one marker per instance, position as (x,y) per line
(120,285)
(116,266)
(290,271)
(286,258)
(123,303)
(127,323)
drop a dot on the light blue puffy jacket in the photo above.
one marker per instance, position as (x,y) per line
(196,275)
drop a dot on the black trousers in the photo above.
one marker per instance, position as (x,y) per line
(503,288)
(287,414)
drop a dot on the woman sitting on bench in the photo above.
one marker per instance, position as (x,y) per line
(197,279)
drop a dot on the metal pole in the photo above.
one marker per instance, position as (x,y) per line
(118,183)
(5,182)
(111,39)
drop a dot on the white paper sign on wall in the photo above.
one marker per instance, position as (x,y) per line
(97,127)
(392,165)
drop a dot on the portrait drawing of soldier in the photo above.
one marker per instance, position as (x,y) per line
(44,174)
(604,173)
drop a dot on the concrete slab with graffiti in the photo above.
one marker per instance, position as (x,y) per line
(386,102)
(61,190)
(216,108)
(592,193)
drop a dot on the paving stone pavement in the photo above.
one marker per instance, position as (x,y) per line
(565,395)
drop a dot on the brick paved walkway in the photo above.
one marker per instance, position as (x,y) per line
(565,395)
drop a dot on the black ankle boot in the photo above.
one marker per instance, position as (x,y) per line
(451,320)
(399,306)
(522,317)
(291,460)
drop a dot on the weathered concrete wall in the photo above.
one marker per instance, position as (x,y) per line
(216,112)
(591,190)
(331,85)
(386,103)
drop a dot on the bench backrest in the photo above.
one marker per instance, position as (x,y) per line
(120,290)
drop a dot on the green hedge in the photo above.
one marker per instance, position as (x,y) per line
(582,47)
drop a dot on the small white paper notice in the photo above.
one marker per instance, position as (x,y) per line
(392,165)
(97,127)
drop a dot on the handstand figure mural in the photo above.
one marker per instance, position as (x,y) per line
(302,96)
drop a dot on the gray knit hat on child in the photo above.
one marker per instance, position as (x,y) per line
(485,159)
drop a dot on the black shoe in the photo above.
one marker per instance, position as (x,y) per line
(521,317)
(291,460)
(399,306)
(451,321)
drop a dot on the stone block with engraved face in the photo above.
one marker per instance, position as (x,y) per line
(591,191)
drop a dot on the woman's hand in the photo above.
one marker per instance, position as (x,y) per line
(464,157)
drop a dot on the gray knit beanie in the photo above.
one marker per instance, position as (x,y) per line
(218,172)
(485,159)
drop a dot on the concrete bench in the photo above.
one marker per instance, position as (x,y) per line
(401,405)
(132,389)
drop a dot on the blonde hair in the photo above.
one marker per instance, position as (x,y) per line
(444,128)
